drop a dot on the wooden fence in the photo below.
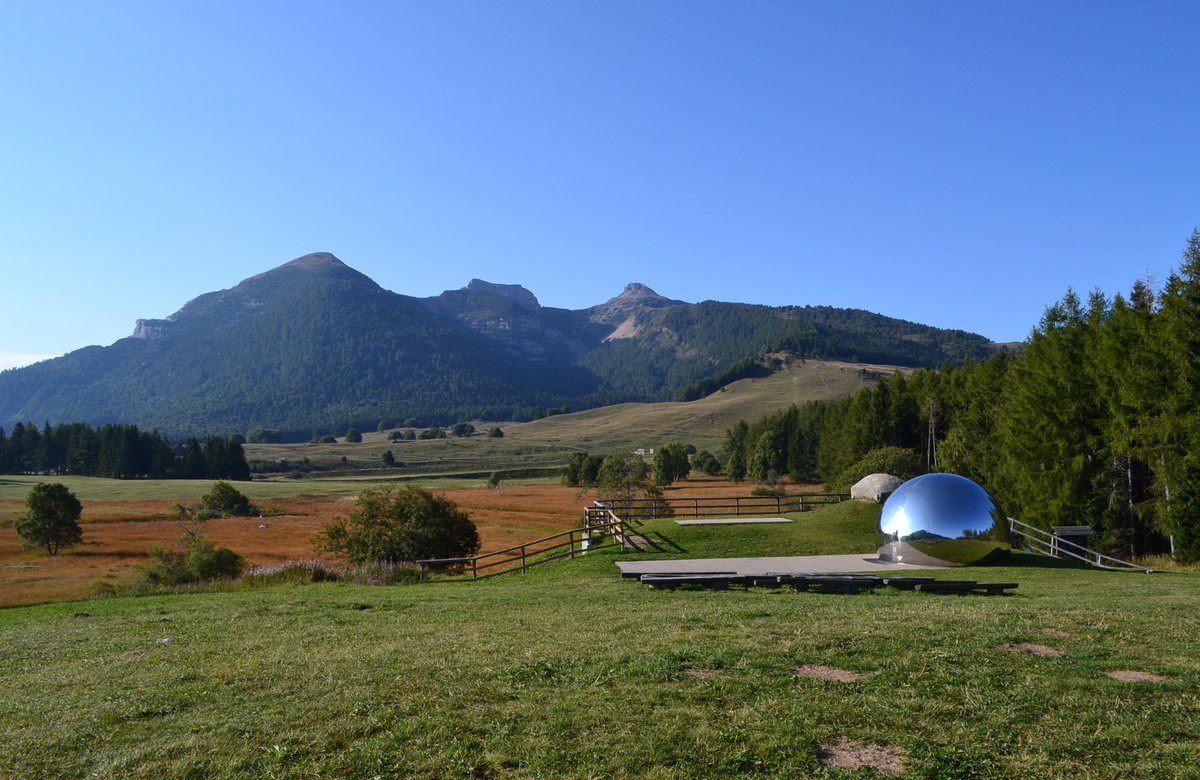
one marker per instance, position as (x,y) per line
(716,506)
(607,523)
(523,557)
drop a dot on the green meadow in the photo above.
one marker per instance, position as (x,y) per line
(570,671)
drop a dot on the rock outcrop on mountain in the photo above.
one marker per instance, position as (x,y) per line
(514,292)
(633,300)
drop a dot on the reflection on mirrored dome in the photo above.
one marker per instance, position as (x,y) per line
(939,520)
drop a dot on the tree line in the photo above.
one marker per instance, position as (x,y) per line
(1093,422)
(118,451)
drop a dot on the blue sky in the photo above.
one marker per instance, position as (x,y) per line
(955,163)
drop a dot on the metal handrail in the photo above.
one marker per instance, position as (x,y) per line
(1046,543)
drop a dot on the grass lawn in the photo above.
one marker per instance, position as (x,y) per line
(845,528)
(570,671)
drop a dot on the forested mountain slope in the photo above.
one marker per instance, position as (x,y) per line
(315,346)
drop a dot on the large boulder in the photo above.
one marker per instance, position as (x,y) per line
(875,487)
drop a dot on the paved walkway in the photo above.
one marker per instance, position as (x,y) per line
(796,564)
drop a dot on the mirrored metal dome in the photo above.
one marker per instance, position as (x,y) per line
(939,520)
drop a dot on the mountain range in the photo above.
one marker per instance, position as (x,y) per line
(314,346)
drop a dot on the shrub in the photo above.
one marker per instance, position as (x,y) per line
(353,436)
(290,573)
(382,573)
(405,524)
(311,571)
(582,470)
(264,436)
(706,463)
(896,461)
(199,560)
(225,500)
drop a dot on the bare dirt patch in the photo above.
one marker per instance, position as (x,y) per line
(820,672)
(1133,675)
(851,754)
(1032,649)
(1056,632)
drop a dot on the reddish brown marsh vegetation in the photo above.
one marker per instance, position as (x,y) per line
(117,534)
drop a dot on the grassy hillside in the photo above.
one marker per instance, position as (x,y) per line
(574,672)
(547,443)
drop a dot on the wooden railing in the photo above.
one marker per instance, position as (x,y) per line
(710,506)
(1046,543)
(606,523)
(604,520)
(523,557)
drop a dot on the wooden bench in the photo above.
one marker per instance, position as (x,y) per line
(848,584)
(964,587)
(905,583)
(673,581)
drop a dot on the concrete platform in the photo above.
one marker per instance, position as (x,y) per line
(796,564)
(732,520)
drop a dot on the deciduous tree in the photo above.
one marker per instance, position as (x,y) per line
(396,525)
(670,463)
(52,519)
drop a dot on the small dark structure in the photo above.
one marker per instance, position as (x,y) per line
(1077,535)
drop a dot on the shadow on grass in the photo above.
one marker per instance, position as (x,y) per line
(122,554)
(666,543)
(1026,560)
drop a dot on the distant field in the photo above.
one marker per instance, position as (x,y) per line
(572,672)
(122,518)
(548,443)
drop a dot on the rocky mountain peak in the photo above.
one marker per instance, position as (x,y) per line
(636,291)
(513,292)
(315,260)
(636,297)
